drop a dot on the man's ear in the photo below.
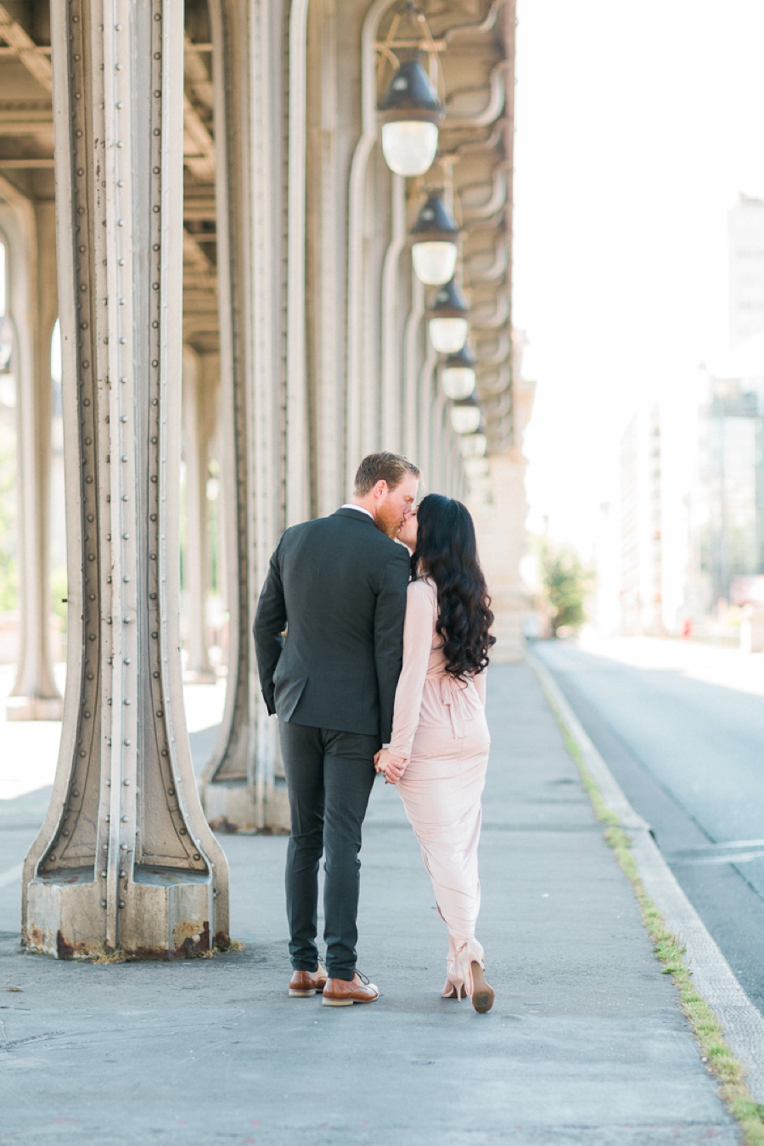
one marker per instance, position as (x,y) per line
(380,489)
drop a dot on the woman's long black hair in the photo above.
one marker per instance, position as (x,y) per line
(446,551)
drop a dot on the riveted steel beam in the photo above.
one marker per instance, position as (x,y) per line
(200,403)
(239,787)
(125,858)
(34,695)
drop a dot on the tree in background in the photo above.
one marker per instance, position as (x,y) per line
(566,584)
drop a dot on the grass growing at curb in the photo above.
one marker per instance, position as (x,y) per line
(714,1050)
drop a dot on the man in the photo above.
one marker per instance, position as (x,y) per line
(338,587)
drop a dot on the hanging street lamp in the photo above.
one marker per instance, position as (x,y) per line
(410,113)
(476,468)
(473,445)
(411,109)
(435,236)
(457,375)
(465,415)
(448,323)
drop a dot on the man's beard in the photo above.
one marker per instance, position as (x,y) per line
(387,521)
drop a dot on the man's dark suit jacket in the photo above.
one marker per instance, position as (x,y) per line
(338,585)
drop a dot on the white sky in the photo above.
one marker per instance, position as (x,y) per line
(637,127)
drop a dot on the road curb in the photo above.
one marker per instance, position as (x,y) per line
(740,1021)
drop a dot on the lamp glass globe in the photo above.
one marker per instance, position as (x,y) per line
(465,419)
(458,382)
(434,262)
(448,335)
(409,145)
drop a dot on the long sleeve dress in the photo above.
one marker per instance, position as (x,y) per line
(440,733)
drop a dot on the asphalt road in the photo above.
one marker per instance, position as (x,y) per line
(690,757)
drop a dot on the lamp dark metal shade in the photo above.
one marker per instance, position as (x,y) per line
(449,302)
(466,415)
(435,223)
(411,96)
(463,403)
(463,358)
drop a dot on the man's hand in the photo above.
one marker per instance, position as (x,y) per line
(391,768)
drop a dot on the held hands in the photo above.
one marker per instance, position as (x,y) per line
(391,768)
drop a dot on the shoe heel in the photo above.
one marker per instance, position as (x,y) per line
(454,990)
(337,1002)
(300,994)
(482,995)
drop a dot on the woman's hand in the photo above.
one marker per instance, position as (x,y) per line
(387,764)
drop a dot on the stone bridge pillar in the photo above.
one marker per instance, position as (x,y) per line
(200,393)
(35,695)
(125,858)
(240,789)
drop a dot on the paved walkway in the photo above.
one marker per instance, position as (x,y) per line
(586,1043)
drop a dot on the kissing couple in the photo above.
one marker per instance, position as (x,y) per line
(372,639)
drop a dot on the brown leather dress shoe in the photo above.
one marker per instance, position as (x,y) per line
(345,992)
(304,983)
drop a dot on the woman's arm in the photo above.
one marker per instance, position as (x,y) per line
(418,629)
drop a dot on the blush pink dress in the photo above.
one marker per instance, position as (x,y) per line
(441,736)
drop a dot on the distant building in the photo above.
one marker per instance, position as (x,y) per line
(730,536)
(662,511)
(604,605)
(641,527)
(734,467)
(746,269)
(691,516)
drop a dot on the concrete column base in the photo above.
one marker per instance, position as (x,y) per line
(277,816)
(33,708)
(511,611)
(234,808)
(230,807)
(166,916)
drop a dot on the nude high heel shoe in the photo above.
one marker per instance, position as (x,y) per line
(482,996)
(472,970)
(454,985)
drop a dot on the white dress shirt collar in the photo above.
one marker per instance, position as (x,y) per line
(360,508)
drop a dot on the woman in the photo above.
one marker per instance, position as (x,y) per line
(438,751)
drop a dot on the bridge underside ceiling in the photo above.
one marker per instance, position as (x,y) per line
(26,144)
